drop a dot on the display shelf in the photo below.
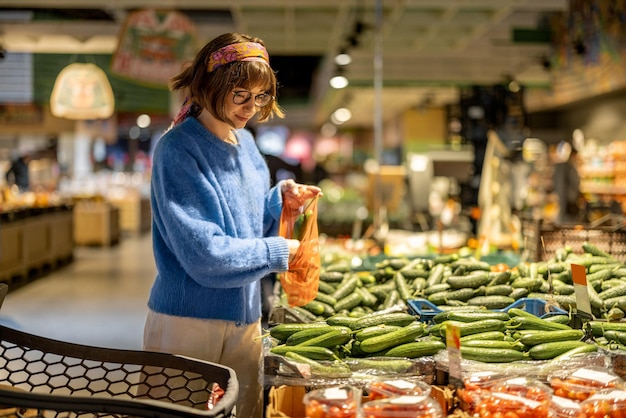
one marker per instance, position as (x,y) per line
(35,241)
(96,223)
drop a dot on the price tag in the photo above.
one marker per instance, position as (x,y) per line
(579,277)
(453,344)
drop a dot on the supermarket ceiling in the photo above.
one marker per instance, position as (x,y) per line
(429,47)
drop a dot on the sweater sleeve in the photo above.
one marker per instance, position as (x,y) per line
(203,233)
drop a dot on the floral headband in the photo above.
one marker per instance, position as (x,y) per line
(243,51)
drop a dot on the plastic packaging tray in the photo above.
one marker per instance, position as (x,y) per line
(65,379)
(426,310)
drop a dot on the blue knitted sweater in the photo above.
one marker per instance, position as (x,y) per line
(214,225)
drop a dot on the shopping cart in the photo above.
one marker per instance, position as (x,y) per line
(70,380)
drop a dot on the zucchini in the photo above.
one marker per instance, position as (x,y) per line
(403,335)
(552,336)
(416,349)
(315,353)
(334,337)
(283,331)
(491,355)
(377,318)
(550,350)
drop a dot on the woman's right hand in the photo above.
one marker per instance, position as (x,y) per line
(293,245)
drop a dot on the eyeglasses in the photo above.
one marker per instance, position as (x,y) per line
(242,96)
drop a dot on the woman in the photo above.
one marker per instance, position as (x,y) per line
(215,217)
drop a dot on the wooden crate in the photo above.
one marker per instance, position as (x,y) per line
(62,235)
(135,214)
(37,242)
(96,223)
(12,262)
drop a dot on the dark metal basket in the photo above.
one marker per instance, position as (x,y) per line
(65,379)
(542,238)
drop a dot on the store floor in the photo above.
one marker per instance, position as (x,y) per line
(99,299)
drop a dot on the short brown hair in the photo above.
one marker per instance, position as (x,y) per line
(211,89)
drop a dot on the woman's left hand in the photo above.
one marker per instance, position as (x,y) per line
(298,193)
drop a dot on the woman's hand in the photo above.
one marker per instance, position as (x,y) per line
(293,245)
(299,193)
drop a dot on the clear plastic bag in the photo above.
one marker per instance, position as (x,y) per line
(301,281)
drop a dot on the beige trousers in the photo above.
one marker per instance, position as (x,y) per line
(217,341)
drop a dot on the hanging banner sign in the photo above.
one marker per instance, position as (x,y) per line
(153,46)
(82,91)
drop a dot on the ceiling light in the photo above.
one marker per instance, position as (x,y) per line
(343,58)
(338,82)
(341,115)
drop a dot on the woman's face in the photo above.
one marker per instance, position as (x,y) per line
(243,104)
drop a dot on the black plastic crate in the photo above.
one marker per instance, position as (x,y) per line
(65,379)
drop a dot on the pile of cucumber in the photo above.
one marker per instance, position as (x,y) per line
(454,281)
(359,316)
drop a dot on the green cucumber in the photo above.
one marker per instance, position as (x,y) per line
(491,355)
(552,336)
(374,331)
(489,335)
(283,331)
(534,323)
(346,287)
(308,334)
(416,349)
(472,280)
(491,302)
(315,353)
(550,350)
(473,316)
(403,335)
(378,318)
(380,365)
(334,337)
(468,328)
(336,370)
(493,344)
(348,302)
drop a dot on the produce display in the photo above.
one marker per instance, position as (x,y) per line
(363,324)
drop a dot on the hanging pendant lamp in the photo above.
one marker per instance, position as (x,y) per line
(81,92)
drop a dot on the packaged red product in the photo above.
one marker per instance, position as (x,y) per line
(508,405)
(473,384)
(386,388)
(333,402)
(524,387)
(609,403)
(580,384)
(565,408)
(404,406)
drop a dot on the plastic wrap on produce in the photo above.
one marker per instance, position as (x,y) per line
(539,369)
(279,370)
